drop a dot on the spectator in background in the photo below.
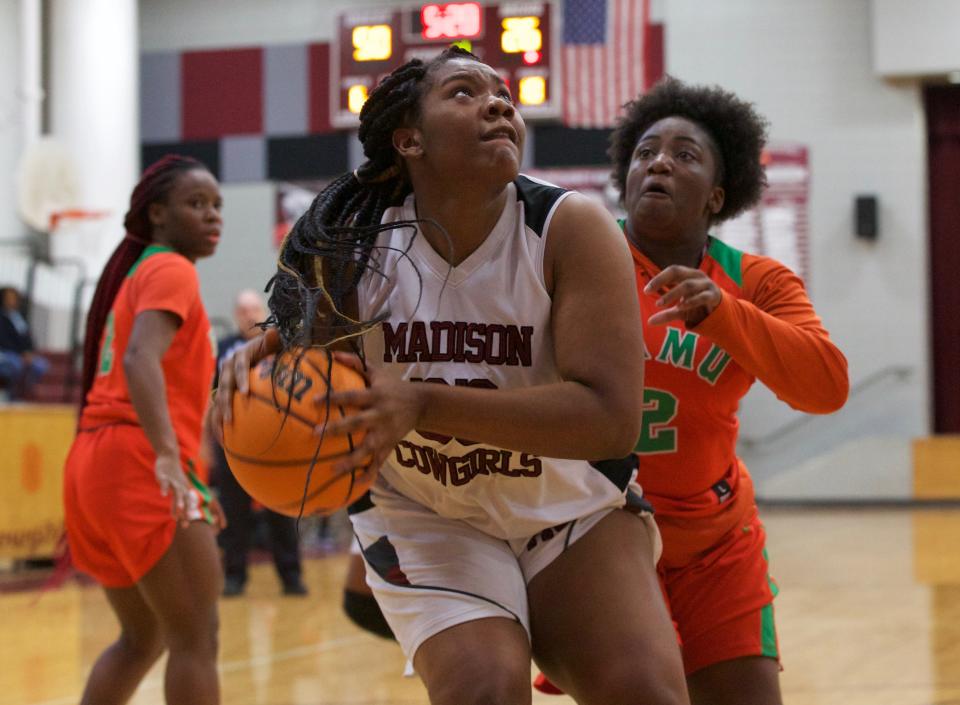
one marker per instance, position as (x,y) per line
(20,367)
(235,539)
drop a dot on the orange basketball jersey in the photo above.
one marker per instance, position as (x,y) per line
(764,328)
(160,280)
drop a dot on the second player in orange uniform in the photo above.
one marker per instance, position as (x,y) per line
(716,320)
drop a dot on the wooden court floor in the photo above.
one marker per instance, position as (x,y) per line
(869,613)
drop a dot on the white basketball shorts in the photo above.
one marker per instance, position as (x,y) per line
(429,573)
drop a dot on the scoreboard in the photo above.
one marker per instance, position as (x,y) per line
(515,37)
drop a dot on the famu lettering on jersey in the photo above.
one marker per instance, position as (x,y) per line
(679,349)
(763,328)
(458,341)
(459,470)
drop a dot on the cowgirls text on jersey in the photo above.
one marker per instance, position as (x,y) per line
(460,341)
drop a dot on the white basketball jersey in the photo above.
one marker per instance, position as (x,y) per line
(484,323)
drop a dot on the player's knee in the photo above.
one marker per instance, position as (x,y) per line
(496,685)
(198,635)
(364,611)
(144,645)
(625,684)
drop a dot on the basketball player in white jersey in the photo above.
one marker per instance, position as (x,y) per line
(499,341)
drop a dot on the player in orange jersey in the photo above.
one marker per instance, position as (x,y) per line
(717,319)
(138,517)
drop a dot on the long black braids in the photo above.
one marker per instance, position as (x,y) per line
(329,248)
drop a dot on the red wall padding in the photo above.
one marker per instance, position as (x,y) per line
(222,93)
(319,82)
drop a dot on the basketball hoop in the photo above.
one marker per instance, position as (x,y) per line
(77,233)
(74,214)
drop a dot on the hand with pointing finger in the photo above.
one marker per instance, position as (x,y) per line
(690,295)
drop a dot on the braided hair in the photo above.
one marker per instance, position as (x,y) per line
(324,256)
(154,187)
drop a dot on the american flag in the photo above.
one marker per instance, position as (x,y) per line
(603,59)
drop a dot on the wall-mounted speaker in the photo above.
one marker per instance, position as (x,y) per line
(866,223)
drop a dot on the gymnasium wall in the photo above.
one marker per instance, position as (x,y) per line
(268,120)
(915,38)
(808,67)
(10,134)
(812,68)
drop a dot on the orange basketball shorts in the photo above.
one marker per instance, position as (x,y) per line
(118,522)
(722,602)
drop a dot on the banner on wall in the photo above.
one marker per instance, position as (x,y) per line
(36,441)
(590,181)
(778,226)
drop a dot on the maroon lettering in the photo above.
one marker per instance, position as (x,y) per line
(418,348)
(495,352)
(407,462)
(442,346)
(460,470)
(520,346)
(474,339)
(394,342)
(437,463)
(532,465)
(457,341)
(459,337)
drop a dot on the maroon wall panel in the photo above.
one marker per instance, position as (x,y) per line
(943,126)
(222,93)
(319,82)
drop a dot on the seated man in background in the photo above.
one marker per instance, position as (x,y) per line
(236,538)
(20,368)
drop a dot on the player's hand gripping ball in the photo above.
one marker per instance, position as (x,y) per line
(271,445)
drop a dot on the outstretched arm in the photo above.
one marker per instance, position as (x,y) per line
(775,335)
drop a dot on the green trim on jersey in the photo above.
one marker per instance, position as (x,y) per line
(151,250)
(202,490)
(774,588)
(106,350)
(729,258)
(768,633)
(768,629)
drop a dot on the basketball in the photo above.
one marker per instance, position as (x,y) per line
(271,446)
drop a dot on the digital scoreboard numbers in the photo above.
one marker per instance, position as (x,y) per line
(515,38)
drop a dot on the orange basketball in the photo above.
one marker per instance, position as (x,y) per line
(270,443)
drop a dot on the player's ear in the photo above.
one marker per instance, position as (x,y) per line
(157,214)
(716,199)
(406,140)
